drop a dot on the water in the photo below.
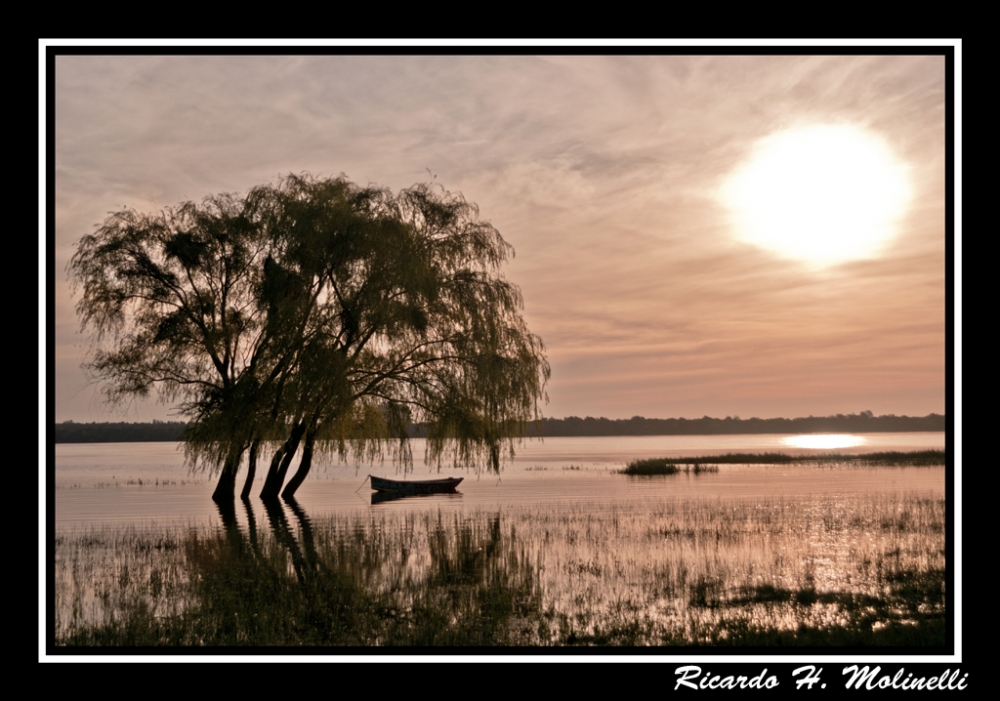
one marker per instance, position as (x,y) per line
(798,554)
(142,483)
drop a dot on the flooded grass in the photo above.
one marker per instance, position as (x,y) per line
(739,572)
(710,463)
(666,466)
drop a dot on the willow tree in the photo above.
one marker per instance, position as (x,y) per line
(405,317)
(315,312)
(171,299)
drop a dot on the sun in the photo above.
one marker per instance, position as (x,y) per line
(820,194)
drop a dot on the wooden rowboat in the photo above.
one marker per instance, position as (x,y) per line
(380,484)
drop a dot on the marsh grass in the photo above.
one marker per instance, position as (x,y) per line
(156,482)
(710,463)
(864,570)
(666,466)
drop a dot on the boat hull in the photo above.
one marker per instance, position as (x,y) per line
(441,486)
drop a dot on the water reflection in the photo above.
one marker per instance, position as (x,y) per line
(435,580)
(380,497)
(824,440)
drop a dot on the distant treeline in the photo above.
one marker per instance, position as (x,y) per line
(865,422)
(72,432)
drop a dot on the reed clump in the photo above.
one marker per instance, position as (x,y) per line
(668,466)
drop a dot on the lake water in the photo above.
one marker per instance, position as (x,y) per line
(559,549)
(140,483)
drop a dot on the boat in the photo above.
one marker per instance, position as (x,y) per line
(441,486)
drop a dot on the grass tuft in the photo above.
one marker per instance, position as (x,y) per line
(666,466)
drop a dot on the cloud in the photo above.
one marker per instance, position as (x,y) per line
(602,171)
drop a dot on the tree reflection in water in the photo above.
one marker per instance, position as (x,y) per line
(434,580)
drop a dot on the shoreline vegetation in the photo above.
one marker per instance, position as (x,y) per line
(710,463)
(864,422)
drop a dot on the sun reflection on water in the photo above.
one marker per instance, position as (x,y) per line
(824,440)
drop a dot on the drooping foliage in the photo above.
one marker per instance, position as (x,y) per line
(314,311)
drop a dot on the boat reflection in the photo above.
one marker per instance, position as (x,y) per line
(380,497)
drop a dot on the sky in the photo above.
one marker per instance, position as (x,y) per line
(616,178)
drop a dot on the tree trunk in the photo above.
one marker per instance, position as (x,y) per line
(225,490)
(251,469)
(304,465)
(279,465)
(272,471)
(286,461)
